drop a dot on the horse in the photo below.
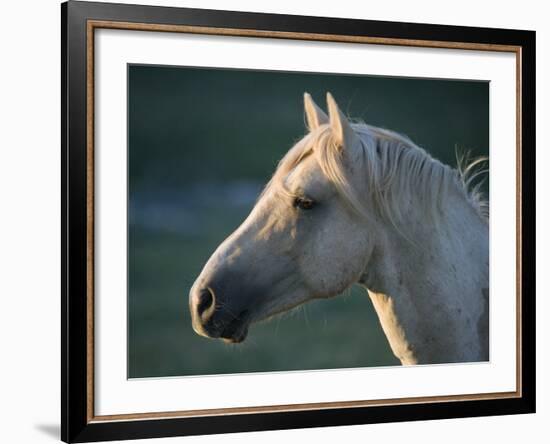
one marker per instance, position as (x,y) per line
(352,203)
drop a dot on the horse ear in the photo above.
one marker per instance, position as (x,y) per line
(315,116)
(341,128)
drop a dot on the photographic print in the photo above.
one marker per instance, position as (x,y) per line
(283,221)
(276,222)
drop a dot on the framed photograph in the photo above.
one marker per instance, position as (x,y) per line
(275,221)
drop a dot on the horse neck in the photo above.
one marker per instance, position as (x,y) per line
(431,295)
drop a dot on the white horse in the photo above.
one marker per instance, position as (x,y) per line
(355,204)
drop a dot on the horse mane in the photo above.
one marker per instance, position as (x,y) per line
(397,171)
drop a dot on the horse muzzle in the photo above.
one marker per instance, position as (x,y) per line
(212,319)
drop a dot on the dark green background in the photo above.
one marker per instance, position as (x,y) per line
(202,142)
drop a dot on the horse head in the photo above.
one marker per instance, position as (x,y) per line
(303,239)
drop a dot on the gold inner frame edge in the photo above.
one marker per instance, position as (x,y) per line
(92,25)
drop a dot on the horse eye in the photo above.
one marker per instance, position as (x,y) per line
(304,203)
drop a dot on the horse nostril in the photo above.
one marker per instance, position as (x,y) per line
(206,300)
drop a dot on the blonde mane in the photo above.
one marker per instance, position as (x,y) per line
(397,172)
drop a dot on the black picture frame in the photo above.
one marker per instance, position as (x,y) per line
(76,327)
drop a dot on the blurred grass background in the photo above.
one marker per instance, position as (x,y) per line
(202,142)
